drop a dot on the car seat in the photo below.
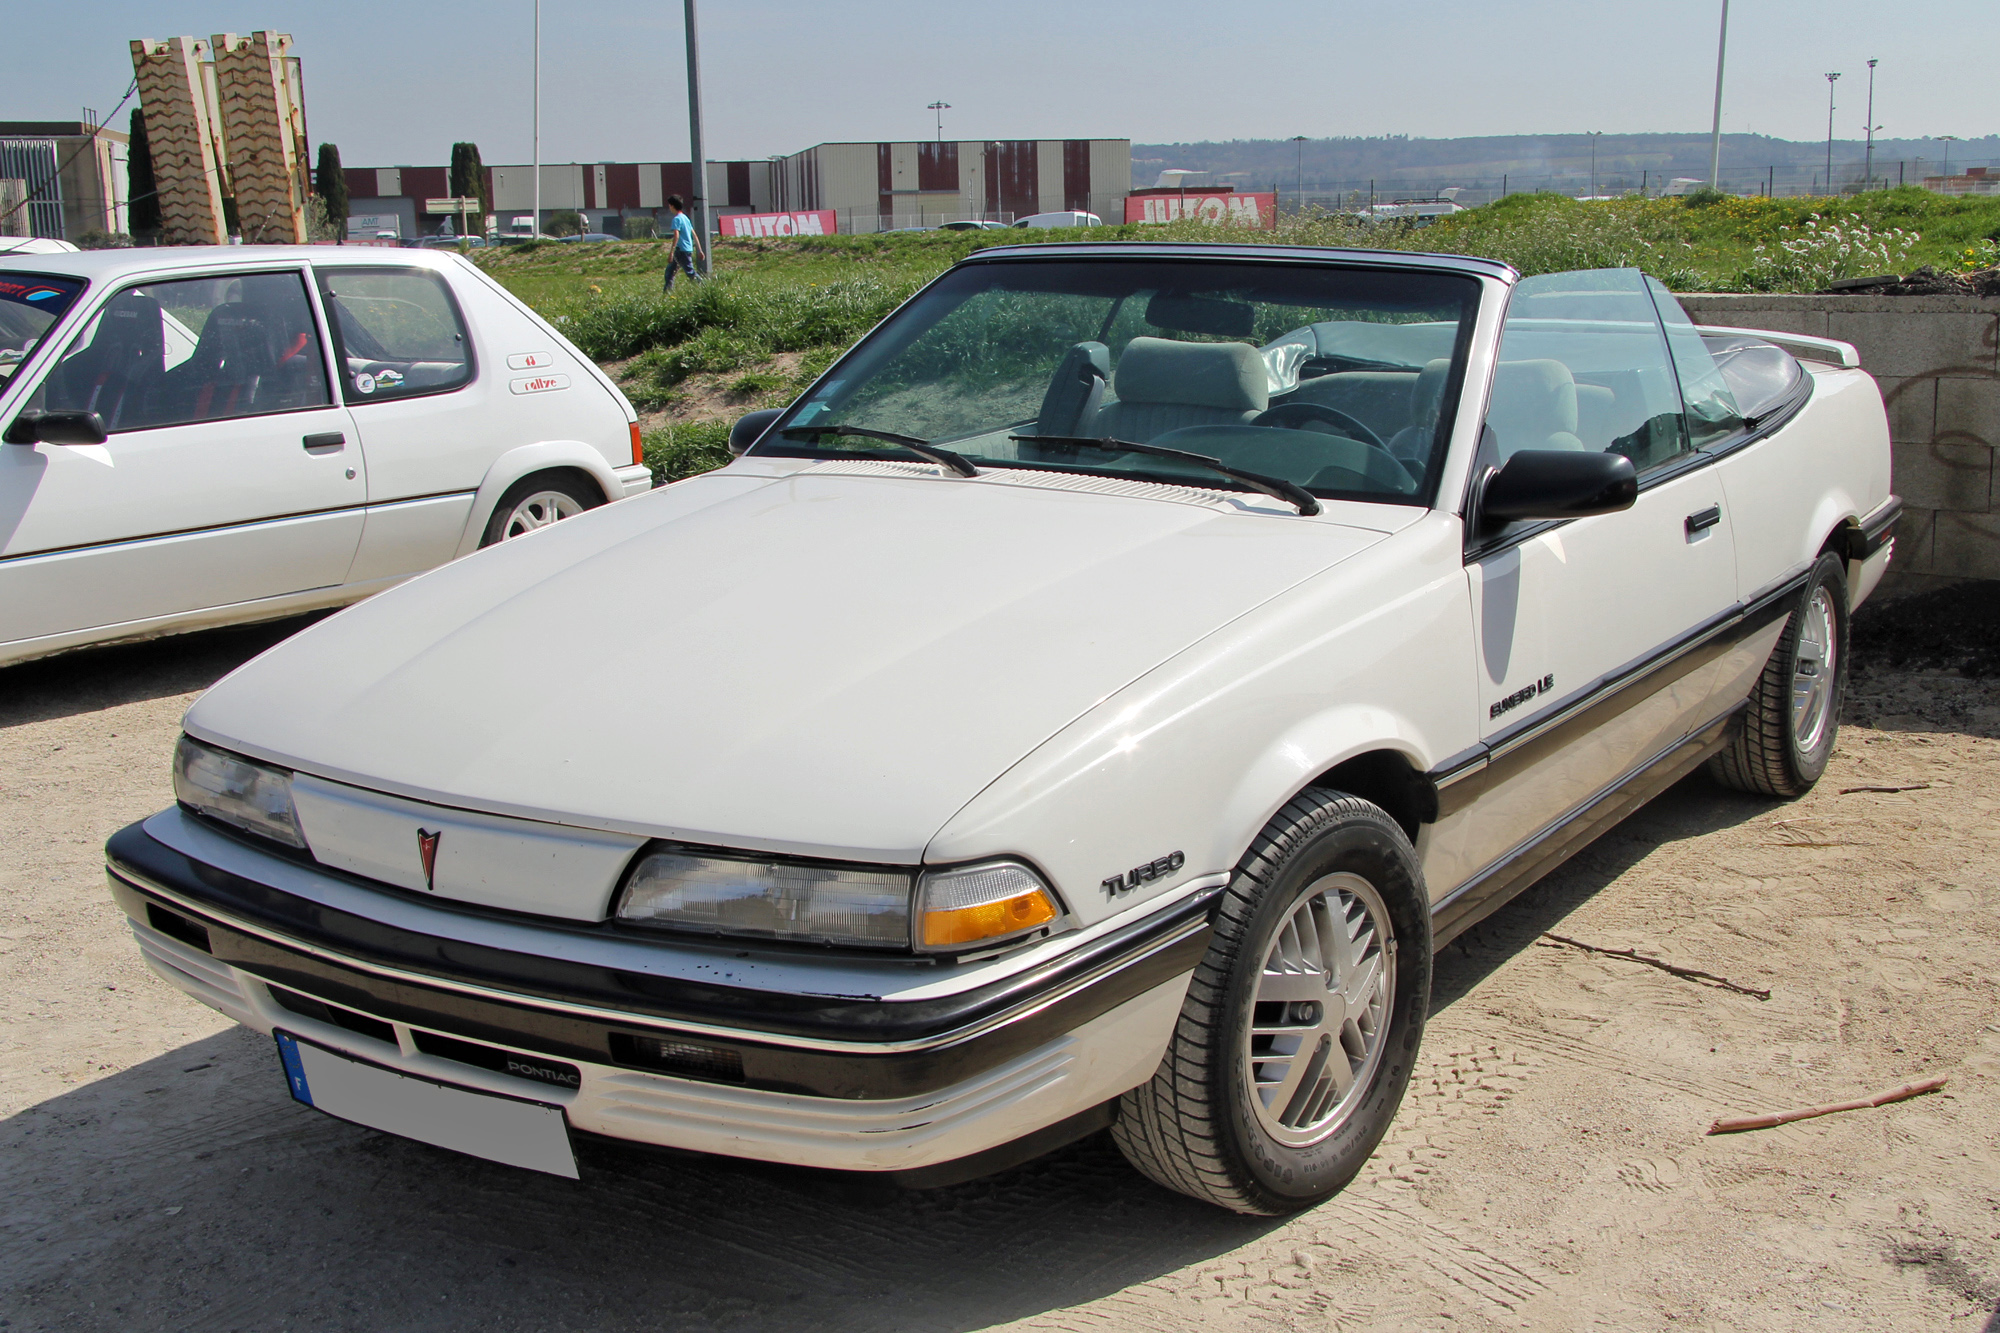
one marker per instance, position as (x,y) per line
(1412,444)
(1533,407)
(1075,393)
(126,357)
(1164,385)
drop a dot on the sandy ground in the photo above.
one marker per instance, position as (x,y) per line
(1549,1170)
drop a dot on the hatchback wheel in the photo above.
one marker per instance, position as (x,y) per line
(533,503)
(1793,715)
(1301,1023)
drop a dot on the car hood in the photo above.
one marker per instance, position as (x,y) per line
(818,663)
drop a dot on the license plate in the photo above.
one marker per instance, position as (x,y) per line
(512,1130)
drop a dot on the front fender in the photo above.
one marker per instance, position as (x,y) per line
(1197,755)
(521,460)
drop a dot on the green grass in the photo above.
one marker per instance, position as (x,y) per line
(807,299)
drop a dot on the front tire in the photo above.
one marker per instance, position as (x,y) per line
(1301,1023)
(537,502)
(1793,716)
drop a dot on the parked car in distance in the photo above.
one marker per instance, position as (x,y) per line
(972,224)
(1062,219)
(204,435)
(451,242)
(592,236)
(1091,705)
(36,245)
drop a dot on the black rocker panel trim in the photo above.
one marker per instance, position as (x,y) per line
(1499,884)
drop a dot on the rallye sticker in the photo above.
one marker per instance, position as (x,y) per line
(538,383)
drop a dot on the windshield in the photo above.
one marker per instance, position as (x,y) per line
(1329,379)
(30,304)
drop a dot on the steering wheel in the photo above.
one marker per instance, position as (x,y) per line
(1297,414)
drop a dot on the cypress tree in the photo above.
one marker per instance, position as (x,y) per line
(142,213)
(468,179)
(330,184)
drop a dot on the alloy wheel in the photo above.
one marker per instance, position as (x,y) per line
(539,510)
(1813,673)
(1321,1011)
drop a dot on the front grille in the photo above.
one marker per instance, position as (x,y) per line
(332,1014)
(688,1059)
(538,1068)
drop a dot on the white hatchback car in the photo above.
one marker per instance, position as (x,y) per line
(1090,705)
(201,436)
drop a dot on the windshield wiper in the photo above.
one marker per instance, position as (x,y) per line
(1275,487)
(922,448)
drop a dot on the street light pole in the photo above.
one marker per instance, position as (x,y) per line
(1829,130)
(1299,185)
(1715,134)
(940,108)
(1947,140)
(700,163)
(538,118)
(1868,170)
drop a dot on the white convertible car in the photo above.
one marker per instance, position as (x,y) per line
(1091,705)
(202,436)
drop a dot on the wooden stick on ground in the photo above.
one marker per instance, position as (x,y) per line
(1739,1123)
(1692,974)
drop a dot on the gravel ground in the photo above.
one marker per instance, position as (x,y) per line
(1548,1171)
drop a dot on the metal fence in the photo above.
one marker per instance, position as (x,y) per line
(34,161)
(1974,178)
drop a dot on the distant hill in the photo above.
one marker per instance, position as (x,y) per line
(1560,162)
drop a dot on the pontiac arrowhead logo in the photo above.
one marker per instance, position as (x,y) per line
(427,848)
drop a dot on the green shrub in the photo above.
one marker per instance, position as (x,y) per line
(564,222)
(640,228)
(686,449)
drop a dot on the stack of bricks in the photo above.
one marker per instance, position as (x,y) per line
(1937,359)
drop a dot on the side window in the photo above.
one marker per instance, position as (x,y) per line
(1584,365)
(203,349)
(399,331)
(1712,413)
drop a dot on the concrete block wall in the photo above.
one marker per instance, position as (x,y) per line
(1937,359)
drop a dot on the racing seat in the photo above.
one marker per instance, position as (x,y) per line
(1164,385)
(126,357)
(221,376)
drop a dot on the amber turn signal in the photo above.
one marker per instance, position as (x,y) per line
(982,904)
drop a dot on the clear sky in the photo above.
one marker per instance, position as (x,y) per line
(397,83)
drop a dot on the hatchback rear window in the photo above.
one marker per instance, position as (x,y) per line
(30,305)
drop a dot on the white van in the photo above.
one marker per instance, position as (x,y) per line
(1065,219)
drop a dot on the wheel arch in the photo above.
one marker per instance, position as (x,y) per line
(552,456)
(1364,751)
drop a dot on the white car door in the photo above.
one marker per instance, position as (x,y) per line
(1588,632)
(429,430)
(229,474)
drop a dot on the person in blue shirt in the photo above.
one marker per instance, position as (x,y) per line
(686,246)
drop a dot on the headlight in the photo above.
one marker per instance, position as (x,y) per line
(988,903)
(235,791)
(816,903)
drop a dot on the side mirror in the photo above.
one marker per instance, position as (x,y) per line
(750,427)
(1557,483)
(57,428)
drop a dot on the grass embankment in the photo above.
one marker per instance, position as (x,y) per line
(779,311)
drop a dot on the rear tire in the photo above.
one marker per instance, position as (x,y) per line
(536,502)
(1788,729)
(1301,1023)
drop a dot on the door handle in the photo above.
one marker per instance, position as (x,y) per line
(1703,519)
(333,439)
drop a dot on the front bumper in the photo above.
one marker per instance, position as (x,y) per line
(849,1082)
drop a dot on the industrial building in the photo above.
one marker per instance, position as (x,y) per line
(398,199)
(869,186)
(884,186)
(72,174)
